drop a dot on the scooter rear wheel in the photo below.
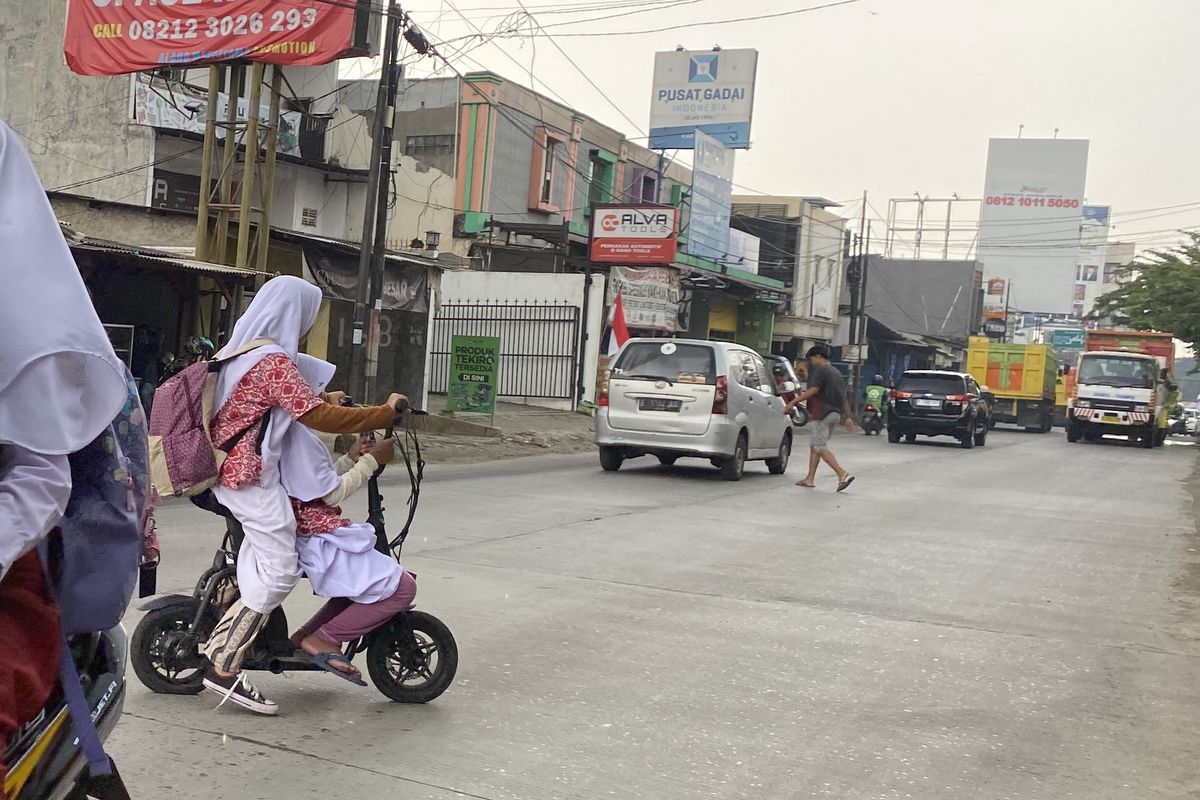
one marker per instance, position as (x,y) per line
(412,659)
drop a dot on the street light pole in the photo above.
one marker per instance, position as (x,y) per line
(381,126)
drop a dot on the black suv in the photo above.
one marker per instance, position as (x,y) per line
(936,403)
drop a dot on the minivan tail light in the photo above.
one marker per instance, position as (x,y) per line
(721,398)
(897,394)
(602,398)
(959,398)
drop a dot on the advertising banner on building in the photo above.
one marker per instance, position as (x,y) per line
(1030,220)
(159,106)
(405,286)
(712,195)
(115,37)
(650,296)
(745,250)
(1093,250)
(707,90)
(993,299)
(634,234)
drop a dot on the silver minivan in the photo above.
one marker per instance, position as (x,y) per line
(689,398)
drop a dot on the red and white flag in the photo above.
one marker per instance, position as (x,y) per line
(618,333)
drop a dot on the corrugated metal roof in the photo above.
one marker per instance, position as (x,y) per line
(168,261)
(148,256)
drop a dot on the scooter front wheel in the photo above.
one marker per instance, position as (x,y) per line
(412,659)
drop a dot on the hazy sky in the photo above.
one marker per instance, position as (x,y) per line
(898,96)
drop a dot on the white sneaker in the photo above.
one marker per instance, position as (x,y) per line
(241,692)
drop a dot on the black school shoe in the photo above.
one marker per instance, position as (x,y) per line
(238,690)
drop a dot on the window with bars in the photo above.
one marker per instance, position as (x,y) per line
(308,217)
(544,178)
(423,146)
(603,169)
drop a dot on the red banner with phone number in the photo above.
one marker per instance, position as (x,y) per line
(115,37)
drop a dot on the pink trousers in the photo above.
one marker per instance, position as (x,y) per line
(341,620)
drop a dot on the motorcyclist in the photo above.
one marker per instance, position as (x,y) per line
(61,384)
(260,395)
(875,394)
(365,587)
(197,348)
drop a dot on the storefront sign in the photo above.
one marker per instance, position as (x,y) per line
(702,90)
(115,37)
(634,234)
(157,105)
(650,297)
(474,374)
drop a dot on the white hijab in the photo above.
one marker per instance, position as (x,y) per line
(283,310)
(60,381)
(305,466)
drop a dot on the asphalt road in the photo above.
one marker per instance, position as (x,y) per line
(1017,621)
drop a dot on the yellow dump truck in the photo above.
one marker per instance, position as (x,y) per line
(1022,377)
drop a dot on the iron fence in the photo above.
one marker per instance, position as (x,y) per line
(539,345)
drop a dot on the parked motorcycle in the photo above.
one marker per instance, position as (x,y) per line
(44,757)
(411,658)
(872,420)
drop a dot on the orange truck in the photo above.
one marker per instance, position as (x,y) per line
(1123,387)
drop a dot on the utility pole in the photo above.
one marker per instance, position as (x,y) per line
(382,124)
(378,252)
(854,276)
(860,335)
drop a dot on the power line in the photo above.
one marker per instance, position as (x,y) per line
(687,25)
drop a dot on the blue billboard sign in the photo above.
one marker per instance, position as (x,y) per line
(712,194)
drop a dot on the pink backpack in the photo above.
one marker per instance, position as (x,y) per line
(183,460)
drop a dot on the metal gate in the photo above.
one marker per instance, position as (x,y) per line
(539,345)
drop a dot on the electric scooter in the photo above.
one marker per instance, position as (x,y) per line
(411,658)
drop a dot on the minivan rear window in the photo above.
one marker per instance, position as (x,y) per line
(688,363)
(937,384)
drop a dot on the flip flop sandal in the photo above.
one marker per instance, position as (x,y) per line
(844,485)
(804,485)
(322,660)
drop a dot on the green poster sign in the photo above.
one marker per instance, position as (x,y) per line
(474,374)
(1068,339)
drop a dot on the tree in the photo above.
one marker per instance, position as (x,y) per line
(1159,291)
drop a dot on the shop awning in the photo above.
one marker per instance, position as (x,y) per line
(767,288)
(151,258)
(443,262)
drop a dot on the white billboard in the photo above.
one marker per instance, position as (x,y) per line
(707,90)
(1029,225)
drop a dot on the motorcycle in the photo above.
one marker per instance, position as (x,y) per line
(44,757)
(787,386)
(411,658)
(872,420)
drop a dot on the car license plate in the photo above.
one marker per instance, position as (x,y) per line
(658,404)
(926,403)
